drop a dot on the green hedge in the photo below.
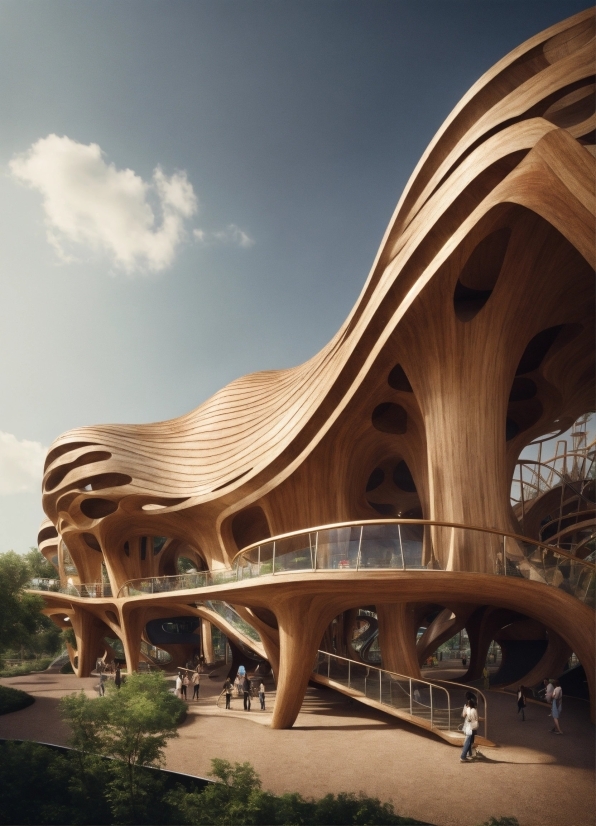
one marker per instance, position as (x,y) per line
(11,699)
(30,668)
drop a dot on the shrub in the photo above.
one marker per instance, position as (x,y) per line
(11,699)
(31,668)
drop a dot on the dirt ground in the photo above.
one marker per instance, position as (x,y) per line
(339,745)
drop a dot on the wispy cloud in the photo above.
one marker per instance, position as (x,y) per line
(230,235)
(21,464)
(89,203)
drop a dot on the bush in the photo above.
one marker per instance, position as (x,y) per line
(239,799)
(23,670)
(67,668)
(11,699)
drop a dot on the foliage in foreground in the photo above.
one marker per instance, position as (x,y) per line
(27,668)
(132,725)
(239,799)
(11,699)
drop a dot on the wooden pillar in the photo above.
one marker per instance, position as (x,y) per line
(89,633)
(398,624)
(132,624)
(301,621)
(207,641)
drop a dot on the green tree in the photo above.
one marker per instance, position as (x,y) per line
(39,566)
(20,612)
(238,800)
(132,725)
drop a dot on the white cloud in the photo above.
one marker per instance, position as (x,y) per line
(230,235)
(21,464)
(89,203)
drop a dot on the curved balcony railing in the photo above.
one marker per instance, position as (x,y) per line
(87,590)
(384,544)
(413,545)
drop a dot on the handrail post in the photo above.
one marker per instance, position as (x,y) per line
(380,686)
(316,550)
(448,711)
(273,560)
(328,666)
(504,555)
(259,561)
(411,708)
(403,559)
(359,554)
(349,673)
(431,705)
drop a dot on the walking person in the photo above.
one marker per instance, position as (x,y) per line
(521,702)
(118,676)
(262,695)
(485,678)
(179,685)
(557,707)
(185,684)
(102,684)
(246,692)
(548,694)
(196,684)
(470,726)
(228,688)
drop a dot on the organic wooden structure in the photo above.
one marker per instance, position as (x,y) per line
(472,336)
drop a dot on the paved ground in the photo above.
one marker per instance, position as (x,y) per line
(338,745)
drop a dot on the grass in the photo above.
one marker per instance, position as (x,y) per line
(11,699)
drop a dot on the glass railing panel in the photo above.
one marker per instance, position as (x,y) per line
(338,670)
(295,553)
(338,548)
(412,540)
(265,559)
(230,615)
(381,547)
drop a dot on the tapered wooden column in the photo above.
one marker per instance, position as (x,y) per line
(207,641)
(89,633)
(302,621)
(398,624)
(133,623)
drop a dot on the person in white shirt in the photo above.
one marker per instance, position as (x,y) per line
(470,726)
(557,707)
(179,685)
(262,695)
(549,692)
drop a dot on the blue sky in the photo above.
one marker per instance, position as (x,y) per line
(190,191)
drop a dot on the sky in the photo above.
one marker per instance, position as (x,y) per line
(192,191)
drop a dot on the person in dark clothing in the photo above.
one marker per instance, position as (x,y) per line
(246,691)
(521,702)
(228,688)
(118,676)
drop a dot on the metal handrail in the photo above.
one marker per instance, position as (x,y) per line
(503,564)
(402,678)
(429,522)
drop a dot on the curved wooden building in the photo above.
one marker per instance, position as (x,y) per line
(472,337)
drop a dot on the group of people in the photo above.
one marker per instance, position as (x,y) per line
(103,670)
(552,694)
(186,678)
(243,688)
